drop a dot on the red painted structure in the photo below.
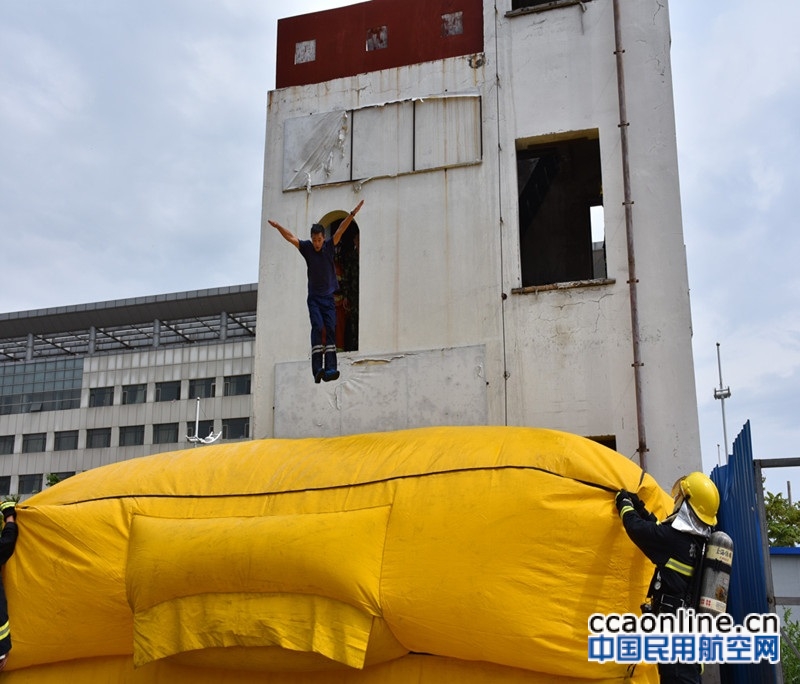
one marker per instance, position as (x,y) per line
(412,31)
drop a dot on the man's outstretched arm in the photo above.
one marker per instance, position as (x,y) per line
(344,224)
(288,235)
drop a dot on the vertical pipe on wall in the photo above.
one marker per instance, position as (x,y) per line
(628,204)
(501,232)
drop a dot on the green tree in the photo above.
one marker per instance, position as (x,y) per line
(783,520)
(789,661)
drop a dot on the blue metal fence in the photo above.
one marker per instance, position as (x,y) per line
(738,517)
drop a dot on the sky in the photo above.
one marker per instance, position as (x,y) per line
(131,164)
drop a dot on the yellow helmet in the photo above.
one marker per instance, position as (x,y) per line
(702,495)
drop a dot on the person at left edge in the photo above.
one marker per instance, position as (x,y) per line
(322,283)
(8,540)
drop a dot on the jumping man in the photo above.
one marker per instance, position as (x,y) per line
(318,253)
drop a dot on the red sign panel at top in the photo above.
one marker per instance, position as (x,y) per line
(369,36)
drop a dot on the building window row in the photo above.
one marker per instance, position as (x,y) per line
(129,435)
(31,483)
(56,386)
(199,388)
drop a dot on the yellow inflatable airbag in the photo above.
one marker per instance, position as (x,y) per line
(433,555)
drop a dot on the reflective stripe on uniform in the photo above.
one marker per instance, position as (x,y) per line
(679,567)
(625,509)
(5,630)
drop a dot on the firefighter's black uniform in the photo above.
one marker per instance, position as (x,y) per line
(8,540)
(676,556)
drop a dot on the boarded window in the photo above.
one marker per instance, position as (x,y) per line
(377,38)
(426,134)
(305,51)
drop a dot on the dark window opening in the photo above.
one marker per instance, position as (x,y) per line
(201,388)
(165,433)
(66,440)
(134,394)
(346,299)
(131,435)
(98,438)
(236,385)
(33,442)
(609,441)
(101,396)
(235,428)
(55,478)
(29,484)
(204,428)
(168,391)
(6,444)
(560,188)
(5,485)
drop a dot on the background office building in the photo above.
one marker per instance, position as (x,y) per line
(83,386)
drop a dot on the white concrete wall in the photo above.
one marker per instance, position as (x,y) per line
(440,249)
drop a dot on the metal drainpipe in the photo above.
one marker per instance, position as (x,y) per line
(628,203)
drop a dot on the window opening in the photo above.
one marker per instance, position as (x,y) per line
(131,435)
(168,391)
(6,444)
(346,261)
(33,442)
(560,187)
(609,441)
(29,484)
(66,440)
(165,433)
(101,396)
(98,438)
(235,428)
(236,385)
(201,388)
(5,485)
(204,428)
(134,394)
(55,478)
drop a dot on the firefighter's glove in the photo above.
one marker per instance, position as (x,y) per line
(7,509)
(624,501)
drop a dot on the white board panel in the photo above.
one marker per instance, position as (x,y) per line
(378,393)
(383,140)
(447,132)
(316,150)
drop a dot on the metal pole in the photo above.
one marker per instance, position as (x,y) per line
(722,394)
(197,421)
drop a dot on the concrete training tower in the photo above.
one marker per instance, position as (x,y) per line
(519,258)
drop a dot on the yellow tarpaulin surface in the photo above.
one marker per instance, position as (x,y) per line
(433,555)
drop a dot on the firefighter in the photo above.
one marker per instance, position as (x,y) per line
(675,547)
(8,539)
